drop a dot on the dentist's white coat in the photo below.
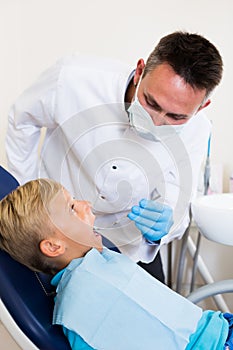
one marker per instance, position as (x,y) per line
(91,149)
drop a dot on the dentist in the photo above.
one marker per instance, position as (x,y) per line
(130,141)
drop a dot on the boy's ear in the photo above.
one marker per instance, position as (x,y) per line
(52,248)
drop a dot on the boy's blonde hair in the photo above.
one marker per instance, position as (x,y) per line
(24,223)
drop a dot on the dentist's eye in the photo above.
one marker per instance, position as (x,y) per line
(72,207)
(152,104)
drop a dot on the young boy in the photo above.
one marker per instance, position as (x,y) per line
(104,300)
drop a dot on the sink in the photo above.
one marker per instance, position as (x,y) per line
(213,215)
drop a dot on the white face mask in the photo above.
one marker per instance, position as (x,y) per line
(143,124)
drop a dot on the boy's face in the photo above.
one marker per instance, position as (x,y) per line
(75,220)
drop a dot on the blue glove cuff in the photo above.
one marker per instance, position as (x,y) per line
(153,242)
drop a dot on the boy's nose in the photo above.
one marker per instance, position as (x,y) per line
(83,205)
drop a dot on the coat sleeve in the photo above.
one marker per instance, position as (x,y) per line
(196,142)
(31,112)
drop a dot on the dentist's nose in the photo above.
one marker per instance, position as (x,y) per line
(159,118)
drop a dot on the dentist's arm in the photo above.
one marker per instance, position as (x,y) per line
(32,110)
(152,218)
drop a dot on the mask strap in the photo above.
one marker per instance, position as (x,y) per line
(136,85)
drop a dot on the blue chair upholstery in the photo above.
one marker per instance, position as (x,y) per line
(7,182)
(28,296)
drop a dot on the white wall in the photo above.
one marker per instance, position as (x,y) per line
(34,33)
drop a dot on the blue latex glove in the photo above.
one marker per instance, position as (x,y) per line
(152,218)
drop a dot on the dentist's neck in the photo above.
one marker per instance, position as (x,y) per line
(130,91)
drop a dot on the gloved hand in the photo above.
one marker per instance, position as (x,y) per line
(152,218)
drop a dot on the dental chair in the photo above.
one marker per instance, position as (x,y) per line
(26,298)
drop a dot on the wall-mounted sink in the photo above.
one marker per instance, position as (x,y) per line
(213,215)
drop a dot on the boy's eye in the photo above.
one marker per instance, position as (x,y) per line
(72,207)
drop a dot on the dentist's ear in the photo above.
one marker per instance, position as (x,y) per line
(204,105)
(52,248)
(138,72)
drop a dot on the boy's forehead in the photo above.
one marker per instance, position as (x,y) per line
(57,207)
(65,194)
(62,193)
(60,198)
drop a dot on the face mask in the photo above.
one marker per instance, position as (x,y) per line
(142,123)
